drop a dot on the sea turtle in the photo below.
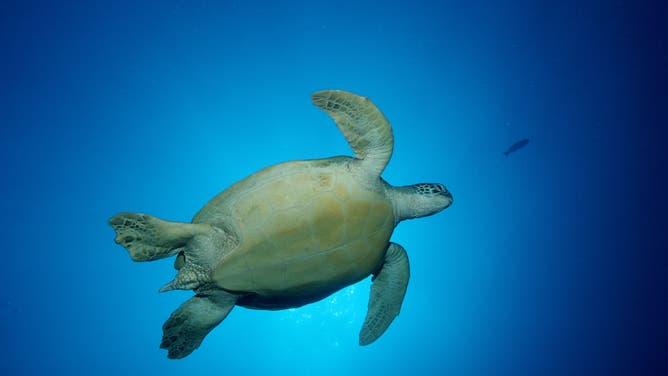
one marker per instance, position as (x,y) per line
(291,234)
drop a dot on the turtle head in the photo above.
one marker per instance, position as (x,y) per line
(421,200)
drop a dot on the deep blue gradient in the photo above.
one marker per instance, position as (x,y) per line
(551,261)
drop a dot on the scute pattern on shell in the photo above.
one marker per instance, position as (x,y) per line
(305,228)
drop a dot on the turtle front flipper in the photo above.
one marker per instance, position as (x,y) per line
(148,238)
(185,329)
(367,130)
(387,294)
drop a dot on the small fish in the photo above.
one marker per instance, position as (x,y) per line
(516,146)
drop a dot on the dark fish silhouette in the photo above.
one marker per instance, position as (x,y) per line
(516,146)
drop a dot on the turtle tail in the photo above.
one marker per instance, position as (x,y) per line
(191,264)
(190,277)
(196,260)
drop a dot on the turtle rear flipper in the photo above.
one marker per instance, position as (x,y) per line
(185,329)
(148,238)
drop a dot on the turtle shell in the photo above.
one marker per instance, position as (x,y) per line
(305,229)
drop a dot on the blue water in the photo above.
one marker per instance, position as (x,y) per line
(551,261)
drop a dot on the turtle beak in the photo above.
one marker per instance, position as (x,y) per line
(445,193)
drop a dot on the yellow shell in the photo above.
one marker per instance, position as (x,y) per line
(305,228)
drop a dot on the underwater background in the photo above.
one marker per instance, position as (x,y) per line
(551,261)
